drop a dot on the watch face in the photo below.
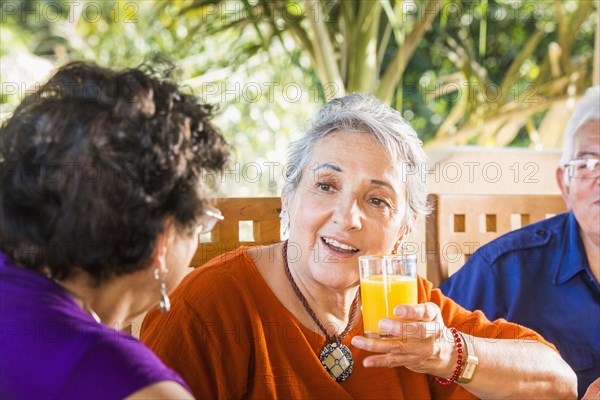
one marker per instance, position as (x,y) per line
(470,362)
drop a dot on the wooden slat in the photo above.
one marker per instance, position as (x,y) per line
(263,212)
(454,248)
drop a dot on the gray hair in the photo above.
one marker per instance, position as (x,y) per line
(588,109)
(358,112)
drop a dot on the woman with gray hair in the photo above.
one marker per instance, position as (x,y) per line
(264,322)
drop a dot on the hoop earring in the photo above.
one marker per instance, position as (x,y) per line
(397,247)
(165,302)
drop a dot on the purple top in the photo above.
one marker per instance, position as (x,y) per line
(51,348)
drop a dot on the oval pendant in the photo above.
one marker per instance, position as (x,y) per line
(337,360)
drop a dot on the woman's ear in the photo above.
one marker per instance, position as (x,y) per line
(407,229)
(284,216)
(162,242)
(285,198)
(405,233)
(401,236)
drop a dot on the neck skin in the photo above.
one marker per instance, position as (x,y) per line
(117,301)
(592,250)
(332,306)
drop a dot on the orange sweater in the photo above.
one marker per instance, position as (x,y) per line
(229,336)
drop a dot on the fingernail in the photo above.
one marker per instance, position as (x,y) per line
(385,324)
(356,341)
(399,311)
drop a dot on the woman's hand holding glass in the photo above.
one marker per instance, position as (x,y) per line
(424,342)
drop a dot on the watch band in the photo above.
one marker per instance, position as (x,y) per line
(470,362)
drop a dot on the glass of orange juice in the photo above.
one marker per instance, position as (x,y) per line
(386,281)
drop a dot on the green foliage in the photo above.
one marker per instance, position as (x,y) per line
(491,79)
(487,72)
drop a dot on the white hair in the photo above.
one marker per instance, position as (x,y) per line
(358,112)
(588,109)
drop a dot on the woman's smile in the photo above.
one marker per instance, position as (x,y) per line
(338,247)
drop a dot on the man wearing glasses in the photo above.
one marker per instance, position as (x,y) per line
(546,275)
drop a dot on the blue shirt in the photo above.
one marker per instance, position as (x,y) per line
(539,276)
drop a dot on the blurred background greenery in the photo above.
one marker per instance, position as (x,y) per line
(484,72)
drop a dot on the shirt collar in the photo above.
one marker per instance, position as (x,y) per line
(572,257)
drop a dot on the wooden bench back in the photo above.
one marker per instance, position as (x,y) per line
(461,223)
(458,225)
(248,221)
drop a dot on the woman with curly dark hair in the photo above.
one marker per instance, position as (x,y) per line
(101,201)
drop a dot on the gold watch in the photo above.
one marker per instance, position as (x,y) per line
(470,362)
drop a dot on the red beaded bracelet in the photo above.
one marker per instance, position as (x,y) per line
(456,374)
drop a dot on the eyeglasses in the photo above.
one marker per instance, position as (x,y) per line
(588,168)
(208,220)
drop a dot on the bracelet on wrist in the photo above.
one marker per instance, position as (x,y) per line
(459,361)
(469,361)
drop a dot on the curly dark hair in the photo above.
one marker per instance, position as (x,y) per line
(94,162)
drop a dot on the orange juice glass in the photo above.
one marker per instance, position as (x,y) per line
(386,281)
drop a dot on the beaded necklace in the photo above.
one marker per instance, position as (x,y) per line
(336,357)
